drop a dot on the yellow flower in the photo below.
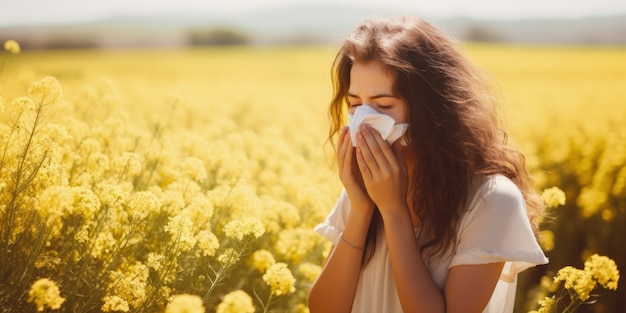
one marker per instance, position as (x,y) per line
(229,257)
(113,195)
(579,280)
(130,284)
(301,308)
(591,200)
(46,90)
(553,197)
(128,163)
(21,104)
(277,214)
(98,163)
(238,229)
(310,271)
(82,236)
(194,169)
(45,294)
(262,259)
(200,210)
(114,304)
(237,301)
(12,46)
(143,203)
(86,203)
(156,261)
(295,244)
(104,245)
(547,240)
(185,303)
(172,202)
(207,242)
(547,305)
(604,270)
(179,227)
(280,279)
(55,203)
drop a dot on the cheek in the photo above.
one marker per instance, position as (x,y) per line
(400,116)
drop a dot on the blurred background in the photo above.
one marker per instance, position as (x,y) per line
(40,24)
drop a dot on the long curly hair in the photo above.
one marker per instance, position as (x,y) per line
(454,132)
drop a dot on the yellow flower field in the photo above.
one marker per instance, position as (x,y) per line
(190,179)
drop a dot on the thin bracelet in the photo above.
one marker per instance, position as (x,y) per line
(349,244)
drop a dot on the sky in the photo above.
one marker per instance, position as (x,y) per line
(24,12)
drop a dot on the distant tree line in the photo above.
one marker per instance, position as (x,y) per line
(217,36)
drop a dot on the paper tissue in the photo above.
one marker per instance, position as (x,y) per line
(384,124)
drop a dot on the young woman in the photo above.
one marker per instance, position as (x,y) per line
(441,220)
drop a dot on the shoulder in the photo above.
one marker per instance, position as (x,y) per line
(497,184)
(496,190)
(495,226)
(496,198)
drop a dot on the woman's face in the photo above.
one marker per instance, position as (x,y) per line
(371,83)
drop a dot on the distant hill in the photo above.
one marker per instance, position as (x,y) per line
(303,24)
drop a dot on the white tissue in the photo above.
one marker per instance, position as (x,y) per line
(384,124)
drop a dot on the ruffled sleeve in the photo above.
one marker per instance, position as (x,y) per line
(335,222)
(496,229)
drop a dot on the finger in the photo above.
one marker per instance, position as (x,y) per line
(383,149)
(380,150)
(366,153)
(366,173)
(349,152)
(345,154)
(342,135)
(397,149)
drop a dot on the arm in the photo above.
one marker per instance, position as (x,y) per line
(334,289)
(468,288)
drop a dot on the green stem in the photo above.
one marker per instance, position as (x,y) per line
(573,306)
(266,306)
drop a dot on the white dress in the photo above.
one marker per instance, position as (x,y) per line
(494,229)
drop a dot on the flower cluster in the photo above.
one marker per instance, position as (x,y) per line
(237,301)
(239,229)
(280,279)
(578,284)
(185,303)
(553,197)
(130,220)
(45,294)
(12,46)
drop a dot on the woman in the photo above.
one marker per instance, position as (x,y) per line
(444,218)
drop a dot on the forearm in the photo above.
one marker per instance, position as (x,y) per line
(416,289)
(334,289)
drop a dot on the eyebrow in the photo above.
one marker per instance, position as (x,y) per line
(382,95)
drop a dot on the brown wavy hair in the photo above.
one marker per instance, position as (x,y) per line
(454,132)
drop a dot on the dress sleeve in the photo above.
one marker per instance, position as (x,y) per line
(496,229)
(335,222)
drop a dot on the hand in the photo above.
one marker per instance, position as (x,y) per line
(384,172)
(350,175)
